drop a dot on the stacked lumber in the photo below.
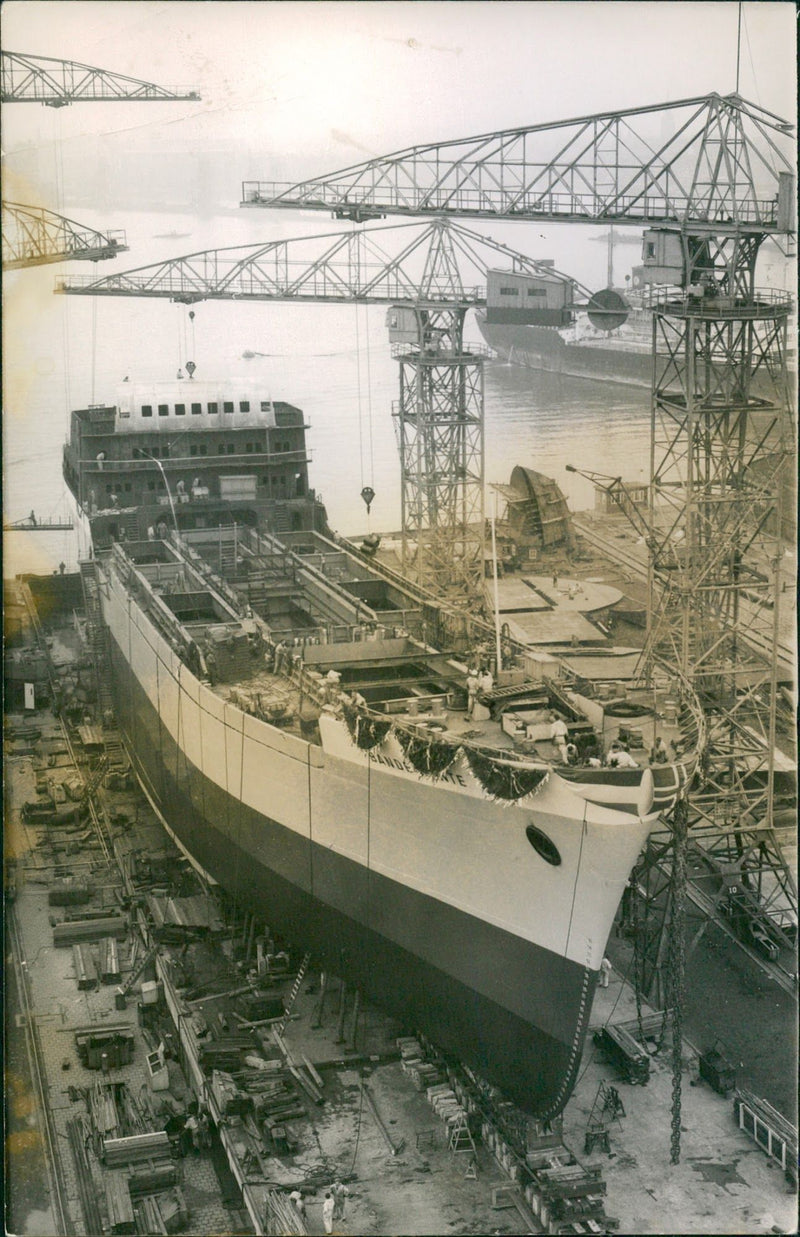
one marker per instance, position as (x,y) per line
(69,892)
(229,1099)
(121,1218)
(85,969)
(422,1072)
(87,1193)
(282,1219)
(110,972)
(79,931)
(224,1053)
(148,1217)
(136,1149)
(152,1177)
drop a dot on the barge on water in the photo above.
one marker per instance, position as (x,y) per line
(301,723)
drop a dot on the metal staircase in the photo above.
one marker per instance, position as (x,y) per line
(281,1026)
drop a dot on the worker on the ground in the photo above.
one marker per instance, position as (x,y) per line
(204,1123)
(340,1193)
(192,1128)
(327,1212)
(605,971)
(296,1199)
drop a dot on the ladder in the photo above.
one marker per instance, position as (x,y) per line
(460,1137)
(281,1027)
(136,972)
(95,779)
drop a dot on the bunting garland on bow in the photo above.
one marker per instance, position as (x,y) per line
(503,781)
(365,731)
(432,757)
(428,756)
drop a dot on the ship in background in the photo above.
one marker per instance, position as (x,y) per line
(549,322)
(303,722)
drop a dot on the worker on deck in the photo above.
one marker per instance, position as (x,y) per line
(659,755)
(618,758)
(473,683)
(558,735)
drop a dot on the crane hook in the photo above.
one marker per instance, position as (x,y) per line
(368,494)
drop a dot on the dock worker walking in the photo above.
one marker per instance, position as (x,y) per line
(340,1193)
(327,1212)
(605,971)
(296,1199)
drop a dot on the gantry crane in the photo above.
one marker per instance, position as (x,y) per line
(722,429)
(437,275)
(57,83)
(33,236)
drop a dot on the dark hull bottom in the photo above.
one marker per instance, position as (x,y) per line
(534,1067)
(538,348)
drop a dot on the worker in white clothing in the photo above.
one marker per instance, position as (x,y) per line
(618,758)
(327,1212)
(340,1193)
(558,734)
(605,971)
(473,684)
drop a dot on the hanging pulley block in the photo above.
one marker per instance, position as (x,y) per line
(368,494)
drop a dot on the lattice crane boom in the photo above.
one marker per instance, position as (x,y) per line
(33,236)
(57,83)
(438,263)
(437,274)
(723,166)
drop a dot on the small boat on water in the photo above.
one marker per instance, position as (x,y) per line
(336,748)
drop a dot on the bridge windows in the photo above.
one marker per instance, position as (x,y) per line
(147,410)
(180,410)
(244,405)
(213,409)
(163,410)
(227,405)
(196,409)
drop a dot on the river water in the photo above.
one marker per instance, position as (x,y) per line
(333,361)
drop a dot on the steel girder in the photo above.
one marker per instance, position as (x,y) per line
(440,433)
(57,83)
(722,474)
(716,170)
(33,236)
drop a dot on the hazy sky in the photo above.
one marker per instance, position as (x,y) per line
(343,81)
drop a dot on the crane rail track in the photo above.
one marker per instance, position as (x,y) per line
(58,1193)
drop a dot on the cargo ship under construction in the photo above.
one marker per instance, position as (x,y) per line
(454,844)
